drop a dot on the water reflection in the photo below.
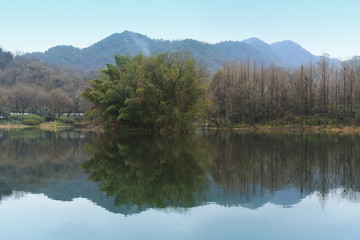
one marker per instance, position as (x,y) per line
(149,171)
(130,174)
(31,159)
(251,164)
(226,168)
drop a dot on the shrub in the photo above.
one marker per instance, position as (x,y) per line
(15,117)
(30,120)
(78,118)
(47,114)
(66,120)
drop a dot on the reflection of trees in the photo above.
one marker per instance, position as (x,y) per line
(148,171)
(243,163)
(30,159)
(158,172)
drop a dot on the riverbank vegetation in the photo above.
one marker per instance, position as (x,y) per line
(171,93)
(33,120)
(145,92)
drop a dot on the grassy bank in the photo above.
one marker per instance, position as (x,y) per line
(49,126)
(86,125)
(7,125)
(36,121)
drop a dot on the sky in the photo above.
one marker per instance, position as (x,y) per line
(320,26)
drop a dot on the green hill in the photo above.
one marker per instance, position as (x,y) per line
(97,55)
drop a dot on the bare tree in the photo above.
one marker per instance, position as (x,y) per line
(59,101)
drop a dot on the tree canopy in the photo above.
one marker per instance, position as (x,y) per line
(164,93)
(29,85)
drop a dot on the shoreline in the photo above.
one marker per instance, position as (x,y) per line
(17,126)
(54,126)
(348,130)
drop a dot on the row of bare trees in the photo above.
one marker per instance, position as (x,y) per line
(327,92)
(23,98)
(29,85)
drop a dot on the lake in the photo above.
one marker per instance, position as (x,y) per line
(209,185)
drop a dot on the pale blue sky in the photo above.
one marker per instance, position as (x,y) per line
(320,26)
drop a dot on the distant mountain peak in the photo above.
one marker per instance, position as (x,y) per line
(285,53)
(292,51)
(125,34)
(286,43)
(254,40)
(132,34)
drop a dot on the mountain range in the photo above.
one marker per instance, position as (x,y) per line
(283,54)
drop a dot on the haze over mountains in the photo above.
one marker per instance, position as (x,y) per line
(284,54)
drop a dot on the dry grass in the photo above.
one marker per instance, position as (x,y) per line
(9,126)
(48,126)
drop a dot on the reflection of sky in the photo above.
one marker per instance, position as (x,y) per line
(38,217)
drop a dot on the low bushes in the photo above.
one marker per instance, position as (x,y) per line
(30,119)
(66,120)
(34,119)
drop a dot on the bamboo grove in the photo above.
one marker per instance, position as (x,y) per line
(164,93)
(327,92)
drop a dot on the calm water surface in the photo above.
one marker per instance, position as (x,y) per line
(210,185)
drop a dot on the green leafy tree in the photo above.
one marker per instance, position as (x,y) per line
(164,93)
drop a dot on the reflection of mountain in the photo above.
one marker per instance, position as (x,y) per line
(259,197)
(287,197)
(134,173)
(31,158)
(81,188)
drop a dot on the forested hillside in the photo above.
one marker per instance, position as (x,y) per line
(29,85)
(284,54)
